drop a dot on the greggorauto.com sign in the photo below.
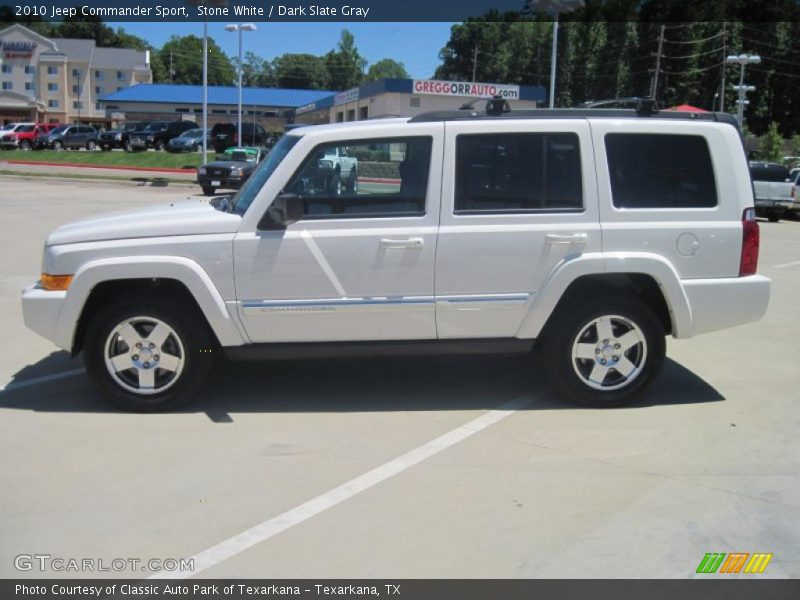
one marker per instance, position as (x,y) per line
(460,88)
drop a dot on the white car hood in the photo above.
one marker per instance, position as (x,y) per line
(190,217)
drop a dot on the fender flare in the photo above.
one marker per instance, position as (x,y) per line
(177,268)
(639,263)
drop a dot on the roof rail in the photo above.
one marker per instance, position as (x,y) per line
(570,113)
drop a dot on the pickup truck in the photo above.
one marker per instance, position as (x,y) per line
(774,190)
(24,135)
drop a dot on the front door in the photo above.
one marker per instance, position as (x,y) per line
(516,203)
(360,264)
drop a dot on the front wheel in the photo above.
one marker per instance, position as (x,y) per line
(25,145)
(147,356)
(604,353)
(208,190)
(58,146)
(91,145)
(159,146)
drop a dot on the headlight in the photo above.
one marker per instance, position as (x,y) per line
(237,172)
(201,171)
(117,136)
(150,138)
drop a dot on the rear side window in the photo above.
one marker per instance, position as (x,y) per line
(768,172)
(660,171)
(518,173)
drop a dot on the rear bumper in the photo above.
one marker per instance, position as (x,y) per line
(721,303)
(41,310)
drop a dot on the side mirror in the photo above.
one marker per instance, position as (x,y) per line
(284,210)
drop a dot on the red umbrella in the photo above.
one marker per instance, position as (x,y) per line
(687,108)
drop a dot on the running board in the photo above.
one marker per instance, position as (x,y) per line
(310,350)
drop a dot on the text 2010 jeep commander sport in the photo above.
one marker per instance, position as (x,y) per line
(592,233)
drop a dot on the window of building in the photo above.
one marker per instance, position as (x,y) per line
(120,75)
(119,88)
(363,113)
(518,173)
(660,171)
(8,85)
(98,106)
(330,192)
(99,75)
(351,114)
(76,89)
(99,90)
(181,110)
(7,68)
(51,70)
(414,102)
(218,111)
(340,117)
(28,86)
(30,69)
(52,103)
(52,87)
(76,72)
(78,104)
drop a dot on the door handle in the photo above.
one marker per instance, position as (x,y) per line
(392,244)
(565,238)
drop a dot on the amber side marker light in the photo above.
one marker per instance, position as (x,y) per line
(56,283)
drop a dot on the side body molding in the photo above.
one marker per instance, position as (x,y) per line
(644,263)
(181,269)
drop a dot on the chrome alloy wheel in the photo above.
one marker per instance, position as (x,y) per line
(144,355)
(609,352)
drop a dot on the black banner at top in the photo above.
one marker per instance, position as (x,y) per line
(392,11)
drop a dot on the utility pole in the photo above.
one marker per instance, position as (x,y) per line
(475,63)
(171,68)
(553,55)
(654,83)
(724,64)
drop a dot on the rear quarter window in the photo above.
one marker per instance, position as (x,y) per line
(771,173)
(660,171)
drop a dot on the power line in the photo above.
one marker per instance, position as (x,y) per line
(694,55)
(708,39)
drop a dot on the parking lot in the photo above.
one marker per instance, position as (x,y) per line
(415,467)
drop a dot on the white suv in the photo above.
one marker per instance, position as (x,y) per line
(589,233)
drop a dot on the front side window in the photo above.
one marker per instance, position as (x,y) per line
(518,173)
(660,171)
(242,200)
(365,179)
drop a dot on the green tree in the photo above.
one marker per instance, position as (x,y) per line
(256,71)
(386,68)
(770,146)
(301,71)
(185,54)
(345,65)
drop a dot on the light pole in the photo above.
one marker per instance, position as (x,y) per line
(206,4)
(240,28)
(742,60)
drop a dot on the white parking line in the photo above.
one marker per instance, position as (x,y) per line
(15,385)
(294,516)
(791,264)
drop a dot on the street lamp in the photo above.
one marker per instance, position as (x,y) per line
(216,3)
(240,28)
(742,60)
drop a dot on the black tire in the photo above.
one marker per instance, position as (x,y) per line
(352,182)
(91,145)
(197,342)
(105,148)
(208,190)
(159,146)
(127,146)
(774,217)
(569,375)
(25,145)
(58,146)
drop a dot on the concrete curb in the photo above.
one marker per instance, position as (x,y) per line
(109,167)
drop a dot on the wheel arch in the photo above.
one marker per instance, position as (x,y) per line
(99,281)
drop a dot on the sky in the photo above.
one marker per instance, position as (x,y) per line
(416,45)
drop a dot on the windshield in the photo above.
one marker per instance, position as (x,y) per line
(242,200)
(59,129)
(193,133)
(27,128)
(767,172)
(7,127)
(155,126)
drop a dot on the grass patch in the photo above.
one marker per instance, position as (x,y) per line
(115,158)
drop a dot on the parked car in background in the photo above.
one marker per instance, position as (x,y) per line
(72,137)
(158,134)
(226,135)
(119,137)
(231,169)
(773,190)
(23,137)
(12,128)
(188,141)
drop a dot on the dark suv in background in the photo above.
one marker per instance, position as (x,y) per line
(158,134)
(120,136)
(226,135)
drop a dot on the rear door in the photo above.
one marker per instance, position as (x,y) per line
(518,199)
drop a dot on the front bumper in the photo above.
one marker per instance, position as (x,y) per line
(41,311)
(221,181)
(726,302)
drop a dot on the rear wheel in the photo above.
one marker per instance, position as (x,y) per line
(604,353)
(147,356)
(159,145)
(25,145)
(91,145)
(58,146)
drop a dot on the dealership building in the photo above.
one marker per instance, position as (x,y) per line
(275,107)
(59,80)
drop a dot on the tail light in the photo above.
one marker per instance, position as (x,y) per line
(750,242)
